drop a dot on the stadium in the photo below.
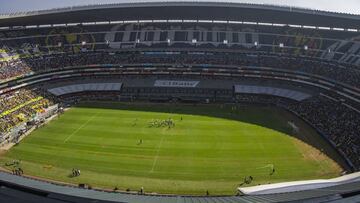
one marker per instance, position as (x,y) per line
(180,102)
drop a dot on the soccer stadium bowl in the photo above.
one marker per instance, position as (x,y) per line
(179,102)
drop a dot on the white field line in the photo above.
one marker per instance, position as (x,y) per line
(266,166)
(157,154)
(77,130)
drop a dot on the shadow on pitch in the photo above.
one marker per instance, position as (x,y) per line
(270,117)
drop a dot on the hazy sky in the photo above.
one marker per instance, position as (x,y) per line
(346,6)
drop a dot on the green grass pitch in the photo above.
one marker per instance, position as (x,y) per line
(211,147)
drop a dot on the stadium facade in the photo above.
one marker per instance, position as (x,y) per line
(305,61)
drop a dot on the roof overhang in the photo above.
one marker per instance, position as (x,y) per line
(183,11)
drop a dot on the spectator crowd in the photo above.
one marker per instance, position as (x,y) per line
(337,72)
(20,106)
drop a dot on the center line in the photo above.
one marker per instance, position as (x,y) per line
(83,125)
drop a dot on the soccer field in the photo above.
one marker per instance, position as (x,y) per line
(211,147)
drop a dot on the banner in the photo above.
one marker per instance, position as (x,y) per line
(175,83)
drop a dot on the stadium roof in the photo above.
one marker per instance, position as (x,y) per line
(220,11)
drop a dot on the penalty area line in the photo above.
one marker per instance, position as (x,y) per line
(79,128)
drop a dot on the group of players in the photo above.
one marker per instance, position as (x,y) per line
(157,123)
(75,172)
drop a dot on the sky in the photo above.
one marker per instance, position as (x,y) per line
(344,6)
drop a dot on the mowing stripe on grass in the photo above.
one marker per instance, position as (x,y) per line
(210,149)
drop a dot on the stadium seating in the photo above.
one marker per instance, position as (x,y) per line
(19,106)
(333,71)
(311,71)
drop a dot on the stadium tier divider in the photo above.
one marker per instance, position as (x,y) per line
(281,92)
(68,89)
